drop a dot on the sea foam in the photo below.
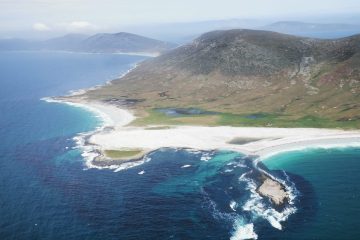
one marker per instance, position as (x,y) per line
(243,231)
(259,208)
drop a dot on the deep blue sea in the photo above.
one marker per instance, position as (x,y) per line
(46,192)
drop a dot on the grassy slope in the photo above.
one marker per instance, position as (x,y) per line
(240,73)
(228,119)
(122,154)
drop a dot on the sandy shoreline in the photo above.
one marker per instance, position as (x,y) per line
(210,138)
(272,140)
(267,141)
(259,142)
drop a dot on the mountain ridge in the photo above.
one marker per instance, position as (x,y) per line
(309,29)
(121,42)
(247,71)
(124,42)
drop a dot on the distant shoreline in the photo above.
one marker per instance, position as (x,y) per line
(143,54)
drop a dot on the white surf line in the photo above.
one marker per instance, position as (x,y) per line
(140,54)
(211,138)
(82,91)
(111,117)
(328,142)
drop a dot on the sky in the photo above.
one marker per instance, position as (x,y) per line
(84,16)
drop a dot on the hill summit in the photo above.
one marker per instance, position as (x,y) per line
(245,71)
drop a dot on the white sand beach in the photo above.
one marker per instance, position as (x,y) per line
(264,141)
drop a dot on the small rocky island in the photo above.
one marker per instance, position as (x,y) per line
(273,190)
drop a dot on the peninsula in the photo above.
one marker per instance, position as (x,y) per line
(121,43)
(254,92)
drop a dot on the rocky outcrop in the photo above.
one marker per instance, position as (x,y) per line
(274,191)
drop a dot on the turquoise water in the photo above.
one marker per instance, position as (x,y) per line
(46,192)
(335,197)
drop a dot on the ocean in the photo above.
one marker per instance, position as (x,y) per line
(47,192)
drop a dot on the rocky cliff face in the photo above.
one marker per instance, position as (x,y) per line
(250,71)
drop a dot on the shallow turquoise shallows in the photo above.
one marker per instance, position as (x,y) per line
(333,204)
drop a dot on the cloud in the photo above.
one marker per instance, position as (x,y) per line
(79,26)
(41,27)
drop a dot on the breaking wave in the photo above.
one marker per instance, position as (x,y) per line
(243,207)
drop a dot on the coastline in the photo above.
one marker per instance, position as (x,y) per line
(144,54)
(115,134)
(110,115)
(269,141)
